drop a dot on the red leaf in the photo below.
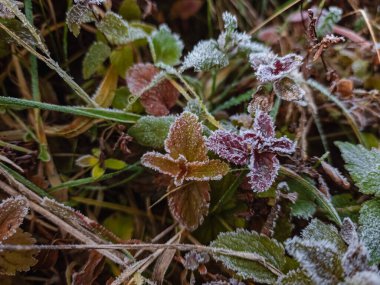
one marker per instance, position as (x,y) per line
(156,100)
(12,212)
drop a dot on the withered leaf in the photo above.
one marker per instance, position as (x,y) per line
(90,271)
(12,212)
(189,205)
(159,98)
(287,89)
(12,261)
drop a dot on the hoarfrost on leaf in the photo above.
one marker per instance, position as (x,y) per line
(363,165)
(268,251)
(327,20)
(364,278)
(230,21)
(257,147)
(369,221)
(205,56)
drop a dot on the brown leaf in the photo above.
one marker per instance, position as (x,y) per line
(162,265)
(185,138)
(12,212)
(90,271)
(156,100)
(189,205)
(287,89)
(12,261)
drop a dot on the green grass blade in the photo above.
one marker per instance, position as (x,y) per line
(96,113)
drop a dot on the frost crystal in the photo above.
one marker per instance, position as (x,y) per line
(205,56)
(86,2)
(277,67)
(230,21)
(258,148)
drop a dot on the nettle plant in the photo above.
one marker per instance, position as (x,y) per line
(198,153)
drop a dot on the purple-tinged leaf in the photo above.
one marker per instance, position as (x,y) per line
(263,170)
(229,146)
(263,124)
(278,68)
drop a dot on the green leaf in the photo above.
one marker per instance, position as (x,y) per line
(43,153)
(114,164)
(120,224)
(316,230)
(130,10)
(118,31)
(363,165)
(369,221)
(151,131)
(303,209)
(167,46)
(122,59)
(97,171)
(77,15)
(94,58)
(295,277)
(271,252)
(320,259)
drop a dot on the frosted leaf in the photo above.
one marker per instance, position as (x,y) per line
(189,204)
(118,31)
(193,259)
(356,259)
(151,131)
(87,2)
(257,147)
(364,278)
(5,13)
(230,21)
(348,231)
(167,46)
(157,96)
(316,231)
(206,170)
(243,120)
(96,55)
(12,213)
(277,68)
(363,165)
(294,277)
(327,20)
(263,171)
(320,259)
(288,90)
(335,175)
(229,146)
(369,221)
(205,56)
(262,57)
(165,164)
(77,15)
(269,250)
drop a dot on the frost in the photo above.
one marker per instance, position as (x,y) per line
(87,2)
(286,88)
(257,148)
(94,58)
(369,221)
(167,46)
(230,21)
(77,15)
(205,56)
(193,259)
(348,231)
(269,250)
(294,277)
(364,278)
(5,12)
(320,259)
(276,67)
(363,165)
(327,20)
(356,260)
